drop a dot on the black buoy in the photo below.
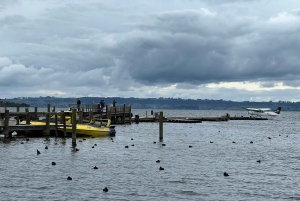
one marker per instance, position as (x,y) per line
(258,161)
(132,145)
(105,189)
(161,168)
(22,142)
(211,142)
(163,144)
(126,146)
(38,152)
(158,161)
(53,163)
(190,146)
(154,142)
(251,142)
(131,138)
(233,141)
(95,144)
(92,146)
(225,174)
(76,149)
(69,178)
(46,147)
(269,137)
(95,167)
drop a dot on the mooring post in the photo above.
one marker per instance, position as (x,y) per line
(35,112)
(90,115)
(56,126)
(18,117)
(63,116)
(27,116)
(130,114)
(124,116)
(80,117)
(6,124)
(47,130)
(161,119)
(74,111)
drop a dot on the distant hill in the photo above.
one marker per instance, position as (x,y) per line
(157,103)
(12,104)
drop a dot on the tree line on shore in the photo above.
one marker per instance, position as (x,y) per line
(150,103)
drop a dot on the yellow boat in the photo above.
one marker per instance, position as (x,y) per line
(96,128)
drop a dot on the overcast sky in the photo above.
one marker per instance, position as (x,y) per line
(241,50)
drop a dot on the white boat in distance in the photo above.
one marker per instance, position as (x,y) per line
(263,112)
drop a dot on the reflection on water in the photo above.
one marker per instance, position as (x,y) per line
(190,173)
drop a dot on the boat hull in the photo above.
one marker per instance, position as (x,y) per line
(85,130)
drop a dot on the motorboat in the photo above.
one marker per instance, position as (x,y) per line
(96,128)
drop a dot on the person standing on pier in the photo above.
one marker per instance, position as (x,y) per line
(78,104)
(102,103)
(114,103)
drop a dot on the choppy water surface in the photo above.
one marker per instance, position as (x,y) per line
(132,173)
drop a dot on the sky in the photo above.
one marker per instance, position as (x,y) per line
(239,50)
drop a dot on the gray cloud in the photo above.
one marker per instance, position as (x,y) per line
(80,48)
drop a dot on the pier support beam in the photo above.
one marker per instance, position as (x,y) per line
(6,124)
(74,127)
(161,130)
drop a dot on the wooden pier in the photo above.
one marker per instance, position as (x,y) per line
(155,118)
(118,115)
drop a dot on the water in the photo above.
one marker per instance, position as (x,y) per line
(132,173)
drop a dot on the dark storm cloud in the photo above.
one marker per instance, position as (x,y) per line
(147,48)
(198,46)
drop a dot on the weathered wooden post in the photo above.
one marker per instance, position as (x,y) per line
(124,114)
(47,130)
(80,117)
(35,112)
(90,115)
(56,126)
(161,119)
(129,114)
(74,127)
(6,124)
(63,116)
(18,117)
(48,107)
(27,116)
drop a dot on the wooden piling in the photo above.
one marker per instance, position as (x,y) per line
(161,120)
(18,118)
(63,117)
(27,116)
(74,127)
(35,112)
(90,115)
(6,124)
(56,126)
(80,116)
(124,114)
(47,130)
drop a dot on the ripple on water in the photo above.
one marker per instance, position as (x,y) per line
(132,174)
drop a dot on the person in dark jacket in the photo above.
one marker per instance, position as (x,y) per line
(78,104)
